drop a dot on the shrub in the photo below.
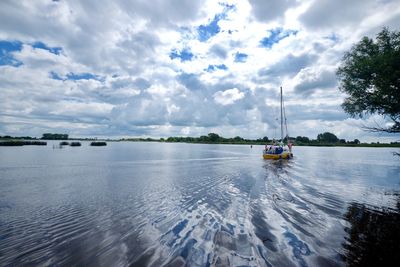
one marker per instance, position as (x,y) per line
(98,143)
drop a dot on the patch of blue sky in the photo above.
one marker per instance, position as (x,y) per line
(205,32)
(55,76)
(212,68)
(240,57)
(8,47)
(75,76)
(275,36)
(6,50)
(83,76)
(183,55)
(41,45)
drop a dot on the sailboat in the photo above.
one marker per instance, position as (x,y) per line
(280,150)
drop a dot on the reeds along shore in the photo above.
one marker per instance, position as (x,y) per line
(23,143)
(75,144)
(98,143)
(42,143)
(64,143)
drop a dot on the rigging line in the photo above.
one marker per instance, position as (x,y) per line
(274,123)
(284,113)
(281,115)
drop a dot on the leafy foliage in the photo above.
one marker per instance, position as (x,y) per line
(327,137)
(370,76)
(50,136)
(302,139)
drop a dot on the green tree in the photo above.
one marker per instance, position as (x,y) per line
(327,137)
(50,136)
(204,138)
(302,139)
(237,139)
(370,75)
(213,137)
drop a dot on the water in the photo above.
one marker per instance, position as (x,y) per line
(154,204)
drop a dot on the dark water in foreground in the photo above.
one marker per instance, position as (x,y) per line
(153,204)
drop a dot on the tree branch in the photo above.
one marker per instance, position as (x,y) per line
(395,128)
(380,129)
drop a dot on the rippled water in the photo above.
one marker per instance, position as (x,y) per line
(154,204)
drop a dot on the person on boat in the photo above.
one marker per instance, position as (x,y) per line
(290,147)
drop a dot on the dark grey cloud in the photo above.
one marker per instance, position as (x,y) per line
(264,98)
(289,65)
(143,42)
(298,113)
(219,51)
(123,82)
(19,20)
(311,83)
(271,9)
(334,14)
(161,12)
(191,81)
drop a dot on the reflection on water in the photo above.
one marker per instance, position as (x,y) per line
(135,204)
(373,236)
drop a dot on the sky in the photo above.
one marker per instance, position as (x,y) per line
(182,67)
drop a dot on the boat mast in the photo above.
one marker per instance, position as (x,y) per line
(281,116)
(284,117)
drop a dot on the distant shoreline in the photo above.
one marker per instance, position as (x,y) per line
(319,145)
(230,142)
(226,143)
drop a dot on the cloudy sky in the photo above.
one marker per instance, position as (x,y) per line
(181,67)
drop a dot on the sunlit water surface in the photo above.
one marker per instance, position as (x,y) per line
(155,204)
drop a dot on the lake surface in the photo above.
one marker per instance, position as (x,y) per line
(155,204)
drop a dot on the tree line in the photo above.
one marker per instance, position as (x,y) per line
(325,138)
(215,138)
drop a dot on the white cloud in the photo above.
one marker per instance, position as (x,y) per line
(228,97)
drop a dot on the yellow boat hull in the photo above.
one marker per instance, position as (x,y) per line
(284,155)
